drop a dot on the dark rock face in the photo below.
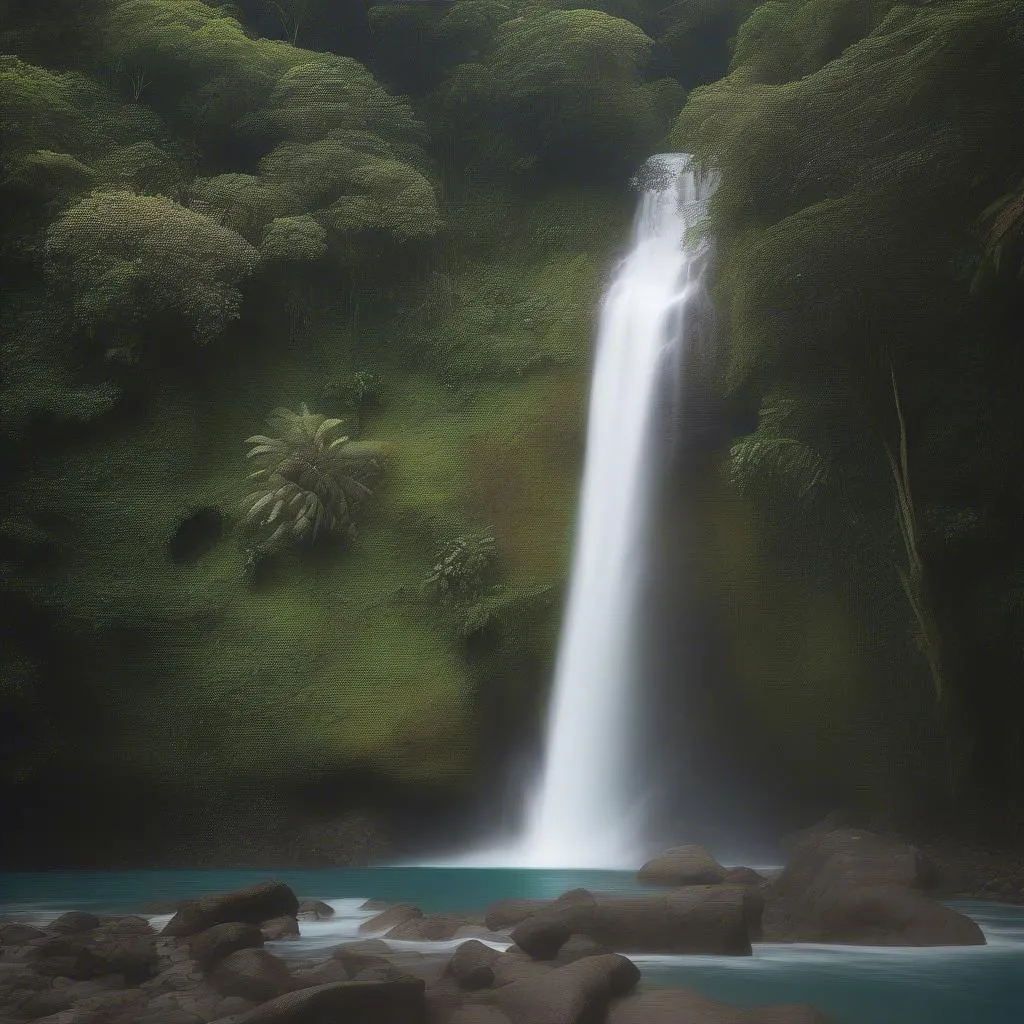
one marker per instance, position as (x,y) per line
(391,918)
(75,922)
(280,928)
(472,965)
(208,948)
(683,865)
(508,913)
(542,936)
(254,905)
(678,1006)
(252,974)
(315,910)
(573,994)
(16,934)
(393,1002)
(850,886)
(744,876)
(428,928)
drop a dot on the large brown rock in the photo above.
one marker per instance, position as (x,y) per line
(208,948)
(280,928)
(678,1006)
(542,936)
(508,913)
(850,886)
(315,910)
(689,864)
(390,918)
(392,1002)
(429,928)
(472,965)
(75,922)
(577,993)
(253,905)
(252,974)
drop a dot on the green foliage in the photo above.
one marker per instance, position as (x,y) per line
(462,565)
(310,485)
(566,85)
(242,202)
(126,261)
(293,239)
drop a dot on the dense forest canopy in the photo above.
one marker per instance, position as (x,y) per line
(386,226)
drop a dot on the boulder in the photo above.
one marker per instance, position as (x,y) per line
(744,876)
(472,965)
(315,910)
(393,1002)
(542,935)
(574,994)
(689,864)
(209,947)
(253,905)
(128,925)
(701,919)
(429,928)
(478,1014)
(390,918)
(850,886)
(75,922)
(252,974)
(280,928)
(357,955)
(508,913)
(515,965)
(870,916)
(678,1006)
(17,934)
(132,956)
(327,973)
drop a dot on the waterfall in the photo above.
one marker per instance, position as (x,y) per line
(587,808)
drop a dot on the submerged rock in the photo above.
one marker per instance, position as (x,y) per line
(678,1006)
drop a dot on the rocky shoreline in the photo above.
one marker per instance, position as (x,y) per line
(521,961)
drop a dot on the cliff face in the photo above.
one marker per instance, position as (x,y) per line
(407,228)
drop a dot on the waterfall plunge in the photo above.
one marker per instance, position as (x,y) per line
(586,810)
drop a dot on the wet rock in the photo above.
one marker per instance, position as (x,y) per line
(515,965)
(134,957)
(429,928)
(676,1006)
(252,974)
(391,918)
(233,1005)
(208,948)
(280,928)
(542,936)
(472,965)
(574,994)
(744,876)
(253,905)
(127,925)
(393,1002)
(16,934)
(851,886)
(75,922)
(315,910)
(328,973)
(360,954)
(508,913)
(177,978)
(689,864)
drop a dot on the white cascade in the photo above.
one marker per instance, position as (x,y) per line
(587,808)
